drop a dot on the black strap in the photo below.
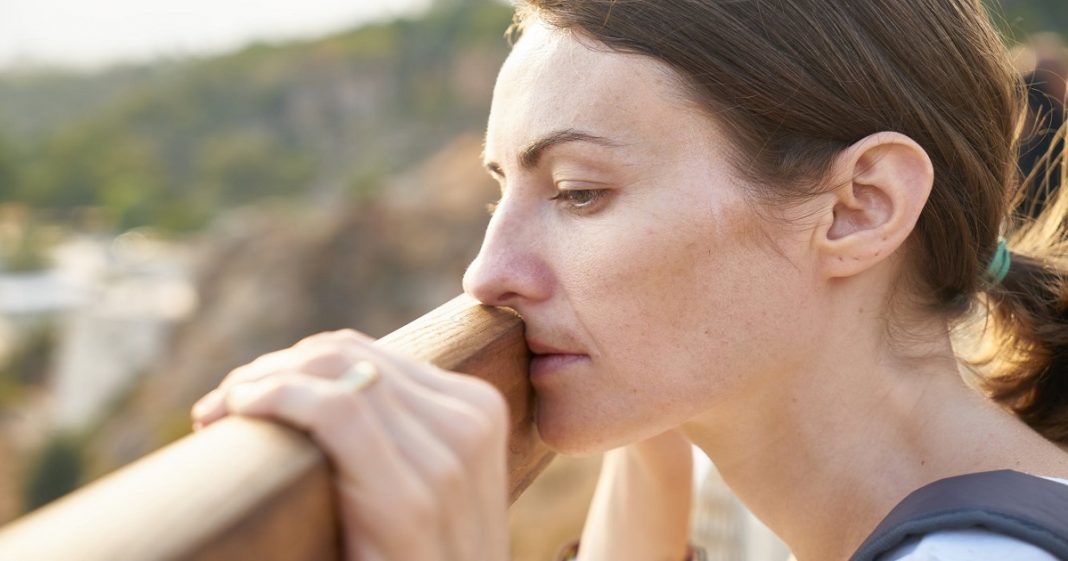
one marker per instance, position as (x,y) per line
(1028,508)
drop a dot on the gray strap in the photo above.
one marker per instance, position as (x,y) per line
(1028,508)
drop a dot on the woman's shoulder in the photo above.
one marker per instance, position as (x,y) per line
(966,545)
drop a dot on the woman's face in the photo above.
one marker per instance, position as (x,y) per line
(650,286)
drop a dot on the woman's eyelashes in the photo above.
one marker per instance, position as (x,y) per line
(581,200)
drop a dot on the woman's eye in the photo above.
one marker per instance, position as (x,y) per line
(580,198)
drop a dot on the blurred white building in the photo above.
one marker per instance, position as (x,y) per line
(112,305)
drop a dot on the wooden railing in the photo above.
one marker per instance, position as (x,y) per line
(246,489)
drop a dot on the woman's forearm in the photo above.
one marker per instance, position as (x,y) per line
(641,507)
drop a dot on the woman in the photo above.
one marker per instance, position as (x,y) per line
(753,225)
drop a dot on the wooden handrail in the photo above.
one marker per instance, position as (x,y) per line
(246,489)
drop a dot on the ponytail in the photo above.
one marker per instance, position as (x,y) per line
(1027,335)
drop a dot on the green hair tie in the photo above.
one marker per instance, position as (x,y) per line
(999,265)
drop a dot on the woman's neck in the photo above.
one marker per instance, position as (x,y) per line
(827,450)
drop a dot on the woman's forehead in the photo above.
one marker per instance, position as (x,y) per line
(559,80)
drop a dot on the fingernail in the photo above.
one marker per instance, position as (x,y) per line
(207,404)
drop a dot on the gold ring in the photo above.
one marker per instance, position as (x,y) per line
(359,376)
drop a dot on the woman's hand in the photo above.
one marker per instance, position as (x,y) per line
(641,507)
(419,455)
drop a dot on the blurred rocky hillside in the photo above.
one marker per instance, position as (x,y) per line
(173,145)
(269,277)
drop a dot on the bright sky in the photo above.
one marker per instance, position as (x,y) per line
(89,33)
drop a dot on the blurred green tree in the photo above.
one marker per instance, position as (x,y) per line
(1021,17)
(56,471)
(298,120)
(8,171)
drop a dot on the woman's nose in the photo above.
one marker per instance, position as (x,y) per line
(508,270)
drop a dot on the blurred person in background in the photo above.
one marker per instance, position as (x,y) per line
(756,230)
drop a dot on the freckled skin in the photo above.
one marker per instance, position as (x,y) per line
(761,333)
(669,284)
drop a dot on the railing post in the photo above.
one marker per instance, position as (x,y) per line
(246,489)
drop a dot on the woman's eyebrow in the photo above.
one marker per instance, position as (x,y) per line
(528,158)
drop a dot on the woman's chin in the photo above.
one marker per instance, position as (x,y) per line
(572,432)
(569,447)
(570,436)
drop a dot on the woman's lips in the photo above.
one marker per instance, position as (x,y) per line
(544,365)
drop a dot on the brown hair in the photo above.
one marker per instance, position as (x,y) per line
(794,82)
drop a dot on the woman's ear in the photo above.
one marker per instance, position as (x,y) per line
(883,184)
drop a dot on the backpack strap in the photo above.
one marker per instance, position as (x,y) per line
(1028,508)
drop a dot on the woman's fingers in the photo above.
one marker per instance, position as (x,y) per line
(457,436)
(468,389)
(417,447)
(367,442)
(329,354)
(447,476)
(324,354)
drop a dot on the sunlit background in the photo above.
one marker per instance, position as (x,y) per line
(184,186)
